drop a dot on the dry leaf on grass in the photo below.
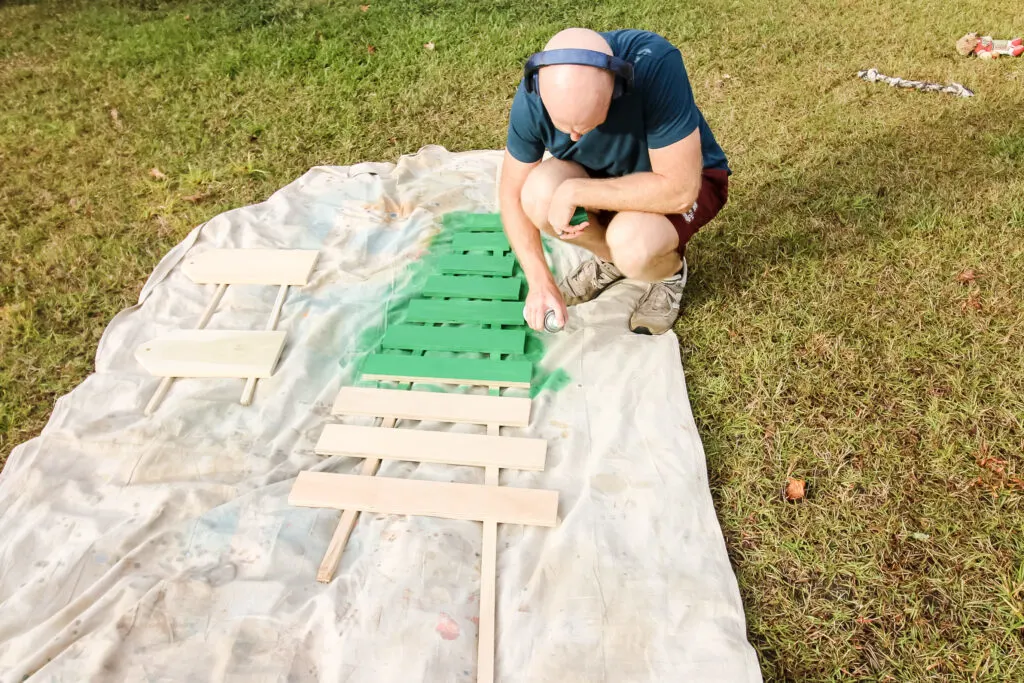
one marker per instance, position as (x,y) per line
(966,276)
(197,197)
(973,301)
(795,489)
(364,8)
(115,116)
(429,46)
(371,49)
(157,173)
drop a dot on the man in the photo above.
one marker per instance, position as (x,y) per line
(616,112)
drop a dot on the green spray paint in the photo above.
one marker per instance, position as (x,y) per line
(413,280)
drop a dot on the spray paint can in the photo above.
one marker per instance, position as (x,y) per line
(550,322)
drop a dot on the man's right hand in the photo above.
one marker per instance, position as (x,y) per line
(544,297)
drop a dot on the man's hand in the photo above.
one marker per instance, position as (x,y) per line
(540,300)
(563,206)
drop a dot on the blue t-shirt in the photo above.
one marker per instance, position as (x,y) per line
(656,112)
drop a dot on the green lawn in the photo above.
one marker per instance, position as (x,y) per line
(828,330)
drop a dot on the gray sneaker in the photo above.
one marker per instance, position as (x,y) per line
(588,280)
(658,309)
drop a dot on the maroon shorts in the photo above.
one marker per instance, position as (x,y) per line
(714,193)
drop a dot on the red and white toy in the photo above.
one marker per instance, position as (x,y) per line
(987,48)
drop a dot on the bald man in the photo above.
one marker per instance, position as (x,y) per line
(643,163)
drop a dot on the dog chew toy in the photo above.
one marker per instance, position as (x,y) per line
(987,47)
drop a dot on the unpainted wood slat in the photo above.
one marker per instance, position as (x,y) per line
(501,504)
(433,406)
(212,353)
(417,445)
(251,266)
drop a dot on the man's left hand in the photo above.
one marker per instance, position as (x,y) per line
(562,207)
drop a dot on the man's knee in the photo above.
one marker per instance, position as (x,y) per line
(541,184)
(637,240)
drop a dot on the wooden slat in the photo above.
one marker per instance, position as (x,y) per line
(458,221)
(387,495)
(480,241)
(462,371)
(417,445)
(347,523)
(251,266)
(427,338)
(488,584)
(433,406)
(476,264)
(472,312)
(474,287)
(212,353)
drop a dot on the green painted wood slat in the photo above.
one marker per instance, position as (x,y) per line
(469,371)
(474,287)
(421,337)
(478,312)
(460,221)
(475,264)
(480,241)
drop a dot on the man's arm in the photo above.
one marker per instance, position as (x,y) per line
(671,186)
(522,235)
(525,239)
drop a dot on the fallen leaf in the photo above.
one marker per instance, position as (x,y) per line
(371,49)
(115,117)
(197,197)
(795,489)
(973,301)
(157,173)
(967,275)
(364,8)
(188,17)
(429,46)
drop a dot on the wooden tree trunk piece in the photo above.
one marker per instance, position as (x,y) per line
(347,523)
(275,316)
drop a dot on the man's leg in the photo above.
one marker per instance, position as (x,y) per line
(644,246)
(540,186)
(592,276)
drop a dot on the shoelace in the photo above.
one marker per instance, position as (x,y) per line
(659,296)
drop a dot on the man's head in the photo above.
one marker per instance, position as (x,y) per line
(576,97)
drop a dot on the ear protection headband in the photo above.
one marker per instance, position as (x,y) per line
(620,68)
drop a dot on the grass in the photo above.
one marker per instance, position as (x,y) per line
(831,330)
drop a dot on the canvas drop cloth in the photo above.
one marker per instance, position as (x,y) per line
(163,548)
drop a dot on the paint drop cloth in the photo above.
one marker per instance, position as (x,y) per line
(162,548)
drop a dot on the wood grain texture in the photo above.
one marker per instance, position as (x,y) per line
(461,371)
(417,445)
(465,338)
(433,406)
(386,495)
(251,266)
(212,353)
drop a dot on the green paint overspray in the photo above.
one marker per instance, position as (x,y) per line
(413,279)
